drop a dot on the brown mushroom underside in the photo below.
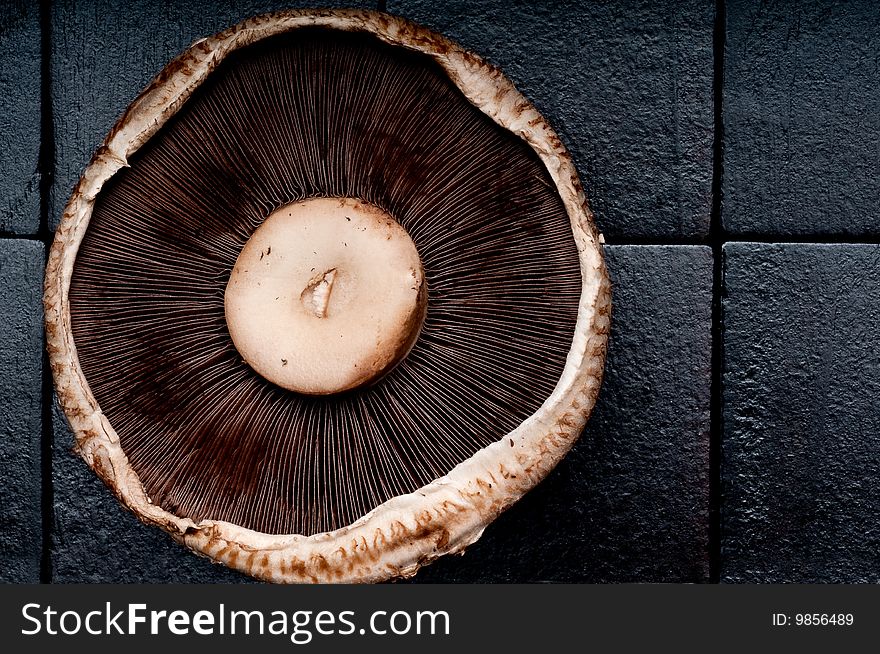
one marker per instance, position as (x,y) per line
(317,113)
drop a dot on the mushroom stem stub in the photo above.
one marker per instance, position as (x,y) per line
(316,295)
(327,295)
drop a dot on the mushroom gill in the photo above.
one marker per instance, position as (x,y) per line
(320,113)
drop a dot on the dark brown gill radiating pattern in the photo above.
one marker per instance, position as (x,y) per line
(320,113)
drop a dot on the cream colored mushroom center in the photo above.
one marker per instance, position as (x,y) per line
(327,295)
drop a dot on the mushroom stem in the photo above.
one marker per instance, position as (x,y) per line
(342,250)
(316,296)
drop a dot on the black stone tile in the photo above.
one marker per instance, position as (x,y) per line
(628,85)
(104,53)
(19,117)
(95,540)
(802,118)
(21,365)
(630,501)
(801,454)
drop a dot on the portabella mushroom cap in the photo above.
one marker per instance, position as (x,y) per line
(408,531)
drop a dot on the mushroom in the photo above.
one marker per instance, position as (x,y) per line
(327,300)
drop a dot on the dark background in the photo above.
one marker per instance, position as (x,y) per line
(731,153)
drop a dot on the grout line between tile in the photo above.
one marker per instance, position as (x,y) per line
(655,241)
(820,239)
(12,236)
(47,171)
(762,239)
(716,240)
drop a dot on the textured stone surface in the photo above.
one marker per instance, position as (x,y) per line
(21,363)
(630,501)
(95,540)
(627,84)
(19,117)
(802,118)
(801,455)
(104,53)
